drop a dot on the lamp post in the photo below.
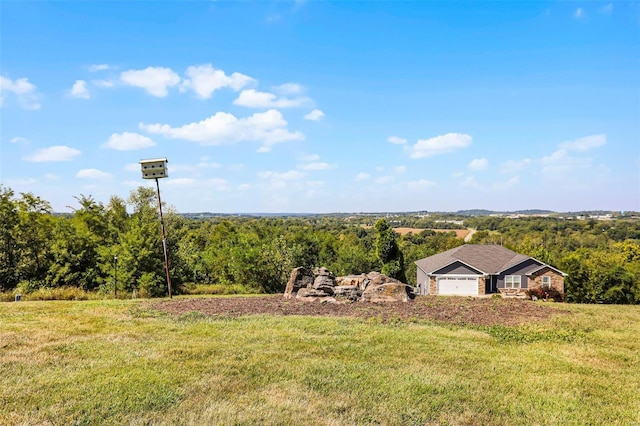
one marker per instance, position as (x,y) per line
(115,276)
(157,169)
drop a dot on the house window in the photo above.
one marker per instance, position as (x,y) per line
(512,281)
(546,282)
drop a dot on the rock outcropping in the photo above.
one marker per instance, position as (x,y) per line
(320,284)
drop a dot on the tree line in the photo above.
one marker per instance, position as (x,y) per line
(117,248)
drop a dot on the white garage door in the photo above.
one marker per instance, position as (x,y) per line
(459,286)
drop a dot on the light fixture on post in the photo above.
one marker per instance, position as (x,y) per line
(115,276)
(156,169)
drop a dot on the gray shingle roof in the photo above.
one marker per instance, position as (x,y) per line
(489,259)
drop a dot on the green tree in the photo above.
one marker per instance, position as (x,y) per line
(9,251)
(388,251)
(34,235)
(76,248)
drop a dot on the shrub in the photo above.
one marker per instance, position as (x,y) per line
(545,294)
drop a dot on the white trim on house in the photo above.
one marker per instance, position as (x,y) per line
(457,285)
(513,281)
(451,263)
(544,265)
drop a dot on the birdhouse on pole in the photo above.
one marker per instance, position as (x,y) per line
(154,168)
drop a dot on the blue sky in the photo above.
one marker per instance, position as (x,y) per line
(325,106)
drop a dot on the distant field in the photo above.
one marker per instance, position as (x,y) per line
(113,362)
(460,233)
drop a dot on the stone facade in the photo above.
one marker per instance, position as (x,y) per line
(432,286)
(557,280)
(481,286)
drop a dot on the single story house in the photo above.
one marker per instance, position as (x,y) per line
(478,269)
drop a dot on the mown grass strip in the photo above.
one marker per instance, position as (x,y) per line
(120,362)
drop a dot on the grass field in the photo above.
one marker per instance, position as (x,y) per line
(121,362)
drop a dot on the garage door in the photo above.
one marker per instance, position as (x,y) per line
(459,286)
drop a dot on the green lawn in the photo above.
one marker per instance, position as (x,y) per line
(119,362)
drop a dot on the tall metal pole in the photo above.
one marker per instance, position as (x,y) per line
(115,276)
(164,241)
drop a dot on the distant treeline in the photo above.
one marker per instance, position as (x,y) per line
(118,246)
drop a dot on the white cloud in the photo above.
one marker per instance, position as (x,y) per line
(478,164)
(397,140)
(606,9)
(584,144)
(442,144)
(133,183)
(290,175)
(400,169)
(217,184)
(181,182)
(128,141)
(268,127)
(205,79)
(379,168)
(276,181)
(383,179)
(420,184)
(579,13)
(22,89)
(470,182)
(19,140)
(132,167)
(53,154)
(80,90)
(509,183)
(93,174)
(309,157)
(208,165)
(253,99)
(314,115)
(98,67)
(316,166)
(362,176)
(559,164)
(155,80)
(512,166)
(21,182)
(244,187)
(102,83)
(289,89)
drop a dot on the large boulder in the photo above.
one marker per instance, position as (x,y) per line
(376,279)
(299,278)
(390,292)
(323,272)
(321,285)
(349,292)
(313,295)
(324,282)
(361,281)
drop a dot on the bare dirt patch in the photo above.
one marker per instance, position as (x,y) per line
(459,310)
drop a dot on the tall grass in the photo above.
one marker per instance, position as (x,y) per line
(122,362)
(56,293)
(75,293)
